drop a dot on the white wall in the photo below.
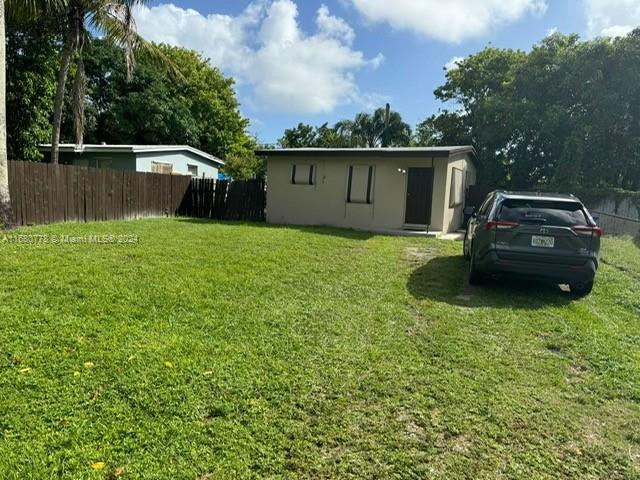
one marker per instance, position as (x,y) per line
(454,216)
(180,161)
(325,202)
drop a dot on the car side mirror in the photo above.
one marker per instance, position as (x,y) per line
(469,211)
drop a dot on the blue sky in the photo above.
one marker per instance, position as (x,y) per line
(321,61)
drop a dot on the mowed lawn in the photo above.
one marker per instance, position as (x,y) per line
(222,351)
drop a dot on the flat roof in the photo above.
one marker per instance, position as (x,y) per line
(387,151)
(101,148)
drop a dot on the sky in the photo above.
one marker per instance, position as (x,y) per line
(322,61)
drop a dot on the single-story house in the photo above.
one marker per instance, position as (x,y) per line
(376,189)
(169,159)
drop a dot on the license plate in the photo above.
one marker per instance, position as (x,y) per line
(544,242)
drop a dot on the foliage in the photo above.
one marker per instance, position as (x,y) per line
(32,62)
(152,108)
(309,136)
(170,359)
(384,128)
(564,115)
(365,130)
(444,129)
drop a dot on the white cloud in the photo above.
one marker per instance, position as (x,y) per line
(552,31)
(612,18)
(453,63)
(450,21)
(264,46)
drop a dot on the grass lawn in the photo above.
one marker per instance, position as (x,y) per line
(215,351)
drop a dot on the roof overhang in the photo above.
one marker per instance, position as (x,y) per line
(72,148)
(401,152)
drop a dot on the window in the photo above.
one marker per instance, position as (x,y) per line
(486,206)
(543,212)
(192,169)
(303,174)
(161,167)
(360,184)
(456,189)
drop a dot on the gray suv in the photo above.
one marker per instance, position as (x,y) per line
(546,236)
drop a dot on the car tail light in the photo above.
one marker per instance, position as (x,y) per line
(500,225)
(588,230)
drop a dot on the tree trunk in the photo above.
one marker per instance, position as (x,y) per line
(6,216)
(67,52)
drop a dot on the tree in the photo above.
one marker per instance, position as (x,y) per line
(152,108)
(563,116)
(113,19)
(308,136)
(384,128)
(32,58)
(5,201)
(446,128)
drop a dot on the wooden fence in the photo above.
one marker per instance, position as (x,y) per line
(225,200)
(43,193)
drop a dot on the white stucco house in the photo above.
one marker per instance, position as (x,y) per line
(377,189)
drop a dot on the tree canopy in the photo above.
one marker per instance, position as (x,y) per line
(32,63)
(382,128)
(150,108)
(564,115)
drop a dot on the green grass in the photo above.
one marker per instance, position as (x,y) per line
(247,351)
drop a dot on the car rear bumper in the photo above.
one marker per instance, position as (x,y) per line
(493,265)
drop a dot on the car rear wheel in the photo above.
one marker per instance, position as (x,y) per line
(476,277)
(466,252)
(581,289)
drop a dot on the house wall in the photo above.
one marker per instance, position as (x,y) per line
(116,160)
(325,202)
(453,216)
(180,161)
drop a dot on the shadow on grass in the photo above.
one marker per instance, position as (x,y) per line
(444,279)
(319,230)
(636,240)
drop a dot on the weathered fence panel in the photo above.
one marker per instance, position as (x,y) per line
(225,200)
(43,193)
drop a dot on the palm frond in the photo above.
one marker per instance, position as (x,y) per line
(118,24)
(27,10)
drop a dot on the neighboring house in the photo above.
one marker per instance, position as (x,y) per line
(374,189)
(176,159)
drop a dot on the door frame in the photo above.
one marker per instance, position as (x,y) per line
(406,191)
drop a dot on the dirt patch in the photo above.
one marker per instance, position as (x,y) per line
(455,443)
(420,255)
(576,373)
(419,320)
(412,427)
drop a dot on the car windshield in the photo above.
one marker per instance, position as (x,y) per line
(564,214)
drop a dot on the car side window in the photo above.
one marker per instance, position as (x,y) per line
(485,207)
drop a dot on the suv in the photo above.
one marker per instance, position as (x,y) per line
(539,235)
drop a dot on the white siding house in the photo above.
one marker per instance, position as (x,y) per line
(169,159)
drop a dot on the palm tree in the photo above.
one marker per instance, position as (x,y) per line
(384,128)
(114,19)
(5,201)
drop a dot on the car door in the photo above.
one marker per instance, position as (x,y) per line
(475,224)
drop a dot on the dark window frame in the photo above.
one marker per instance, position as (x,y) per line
(368,199)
